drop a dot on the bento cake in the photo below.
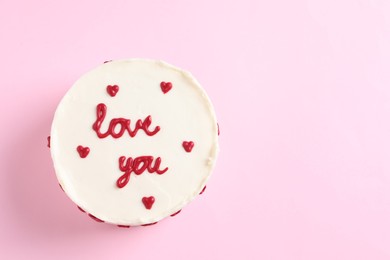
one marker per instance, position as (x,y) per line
(134,141)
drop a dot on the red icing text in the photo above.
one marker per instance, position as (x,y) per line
(137,165)
(123,123)
(117,127)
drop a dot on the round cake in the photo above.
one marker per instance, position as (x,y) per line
(134,141)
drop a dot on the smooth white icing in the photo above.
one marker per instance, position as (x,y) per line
(185,113)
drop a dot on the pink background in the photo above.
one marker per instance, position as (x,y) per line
(302,94)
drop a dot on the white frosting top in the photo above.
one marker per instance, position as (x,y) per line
(184,114)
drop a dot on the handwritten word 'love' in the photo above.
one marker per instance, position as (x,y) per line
(101,111)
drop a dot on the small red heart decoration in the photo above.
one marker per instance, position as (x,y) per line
(148,202)
(112,90)
(83,151)
(165,86)
(188,146)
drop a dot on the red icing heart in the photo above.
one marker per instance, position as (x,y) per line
(145,225)
(174,214)
(83,151)
(95,218)
(148,202)
(112,90)
(123,226)
(165,86)
(188,146)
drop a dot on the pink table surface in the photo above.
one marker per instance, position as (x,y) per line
(302,94)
